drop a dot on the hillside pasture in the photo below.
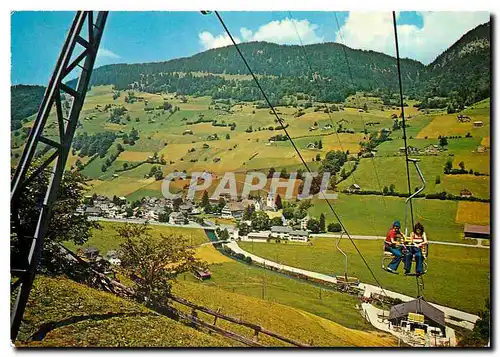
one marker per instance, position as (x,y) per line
(448,282)
(373,215)
(107,238)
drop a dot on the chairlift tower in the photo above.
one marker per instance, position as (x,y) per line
(86,31)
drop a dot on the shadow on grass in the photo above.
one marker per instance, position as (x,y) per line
(45,328)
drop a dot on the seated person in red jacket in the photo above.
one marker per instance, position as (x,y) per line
(392,244)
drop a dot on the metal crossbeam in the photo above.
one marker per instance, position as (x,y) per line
(26,261)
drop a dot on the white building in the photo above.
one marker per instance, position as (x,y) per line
(271,201)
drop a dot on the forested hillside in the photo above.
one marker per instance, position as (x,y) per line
(324,74)
(462,71)
(24,101)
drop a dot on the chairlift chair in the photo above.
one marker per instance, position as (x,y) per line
(345,280)
(388,256)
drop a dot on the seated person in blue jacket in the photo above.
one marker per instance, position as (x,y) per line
(393,245)
(419,242)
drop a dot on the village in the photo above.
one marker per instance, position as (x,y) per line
(244,219)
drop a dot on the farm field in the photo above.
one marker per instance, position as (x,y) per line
(473,212)
(161,131)
(448,282)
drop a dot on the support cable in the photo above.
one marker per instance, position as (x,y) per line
(296,149)
(357,103)
(403,114)
(306,57)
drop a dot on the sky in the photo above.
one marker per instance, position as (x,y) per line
(137,37)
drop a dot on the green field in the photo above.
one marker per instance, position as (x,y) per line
(373,215)
(259,283)
(449,280)
(107,238)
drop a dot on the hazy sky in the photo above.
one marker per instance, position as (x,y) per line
(132,37)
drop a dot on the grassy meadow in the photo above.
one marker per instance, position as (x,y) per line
(448,282)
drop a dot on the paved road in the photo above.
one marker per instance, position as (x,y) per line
(366,287)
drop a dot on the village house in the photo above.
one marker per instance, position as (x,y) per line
(476,231)
(93,211)
(186,207)
(462,118)
(432,149)
(91,252)
(465,193)
(233,210)
(187,132)
(327,127)
(353,188)
(412,150)
(270,202)
(477,124)
(176,218)
(300,236)
(481,148)
(280,232)
(264,235)
(311,146)
(303,222)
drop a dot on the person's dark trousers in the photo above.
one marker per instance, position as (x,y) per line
(414,251)
(396,251)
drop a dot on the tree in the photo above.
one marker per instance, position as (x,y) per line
(248,212)
(322,222)
(228,136)
(448,166)
(385,190)
(64,224)
(480,335)
(365,107)
(176,203)
(443,141)
(165,215)
(159,175)
(320,144)
(313,225)
(334,227)
(462,165)
(129,211)
(243,229)
(155,262)
(271,172)
(288,212)
(205,200)
(278,203)
(260,221)
(438,180)
(276,221)
(392,188)
(318,157)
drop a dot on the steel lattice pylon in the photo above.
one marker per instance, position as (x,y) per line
(30,243)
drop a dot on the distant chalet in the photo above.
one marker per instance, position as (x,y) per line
(475,231)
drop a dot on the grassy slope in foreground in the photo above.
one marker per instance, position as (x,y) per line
(259,283)
(458,277)
(288,321)
(58,299)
